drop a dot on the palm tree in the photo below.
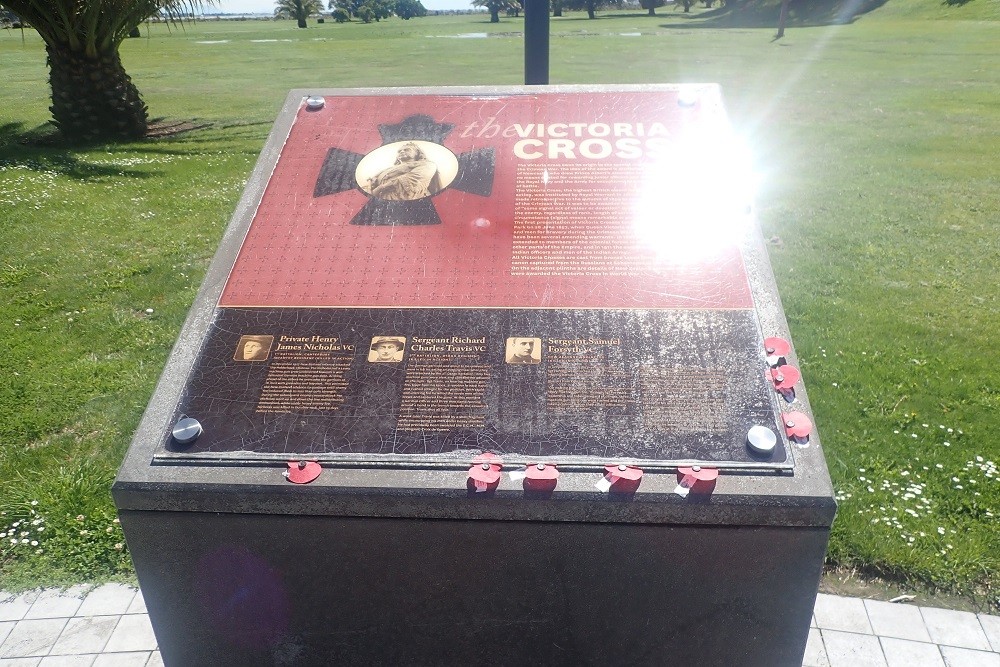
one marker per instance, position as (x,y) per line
(495,7)
(92,95)
(299,10)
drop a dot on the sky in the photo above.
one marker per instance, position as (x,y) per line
(267,6)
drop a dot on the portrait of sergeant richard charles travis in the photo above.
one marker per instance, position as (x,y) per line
(253,348)
(522,350)
(387,349)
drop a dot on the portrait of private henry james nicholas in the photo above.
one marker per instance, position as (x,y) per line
(387,349)
(522,350)
(407,170)
(253,348)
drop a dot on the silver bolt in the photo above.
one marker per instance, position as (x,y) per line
(779,378)
(486,466)
(540,466)
(186,430)
(623,467)
(687,98)
(696,468)
(761,439)
(302,465)
(770,350)
(789,423)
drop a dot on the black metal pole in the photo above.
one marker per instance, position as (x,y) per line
(536,42)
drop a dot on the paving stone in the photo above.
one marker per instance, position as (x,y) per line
(19,662)
(85,634)
(133,633)
(107,600)
(32,637)
(54,603)
(134,659)
(896,620)
(843,614)
(14,607)
(849,649)
(963,657)
(5,629)
(815,652)
(955,628)
(155,660)
(138,605)
(812,621)
(67,661)
(991,626)
(906,653)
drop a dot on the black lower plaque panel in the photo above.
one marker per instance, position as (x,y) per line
(436,384)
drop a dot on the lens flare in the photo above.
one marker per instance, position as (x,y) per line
(697,201)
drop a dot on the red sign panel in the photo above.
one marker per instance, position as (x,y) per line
(509,201)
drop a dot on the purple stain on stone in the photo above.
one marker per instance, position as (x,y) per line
(243,596)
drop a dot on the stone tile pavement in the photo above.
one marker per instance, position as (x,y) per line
(108,626)
(851,632)
(82,626)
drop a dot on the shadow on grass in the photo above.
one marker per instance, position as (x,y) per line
(42,149)
(801,14)
(18,133)
(34,149)
(747,14)
(611,17)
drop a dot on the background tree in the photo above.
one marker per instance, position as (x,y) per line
(494,7)
(381,9)
(92,96)
(377,9)
(340,15)
(782,19)
(651,5)
(349,6)
(299,10)
(407,9)
(591,5)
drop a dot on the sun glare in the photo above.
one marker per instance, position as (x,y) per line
(697,201)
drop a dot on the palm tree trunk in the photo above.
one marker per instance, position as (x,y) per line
(93,98)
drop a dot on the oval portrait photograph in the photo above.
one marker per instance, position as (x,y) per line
(407,170)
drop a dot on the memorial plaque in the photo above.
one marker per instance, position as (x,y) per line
(543,281)
(484,376)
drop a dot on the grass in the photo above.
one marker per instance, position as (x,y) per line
(876,143)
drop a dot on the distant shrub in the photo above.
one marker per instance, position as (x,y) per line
(340,15)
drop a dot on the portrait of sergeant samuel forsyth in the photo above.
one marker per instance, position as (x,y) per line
(387,349)
(253,348)
(521,350)
(407,170)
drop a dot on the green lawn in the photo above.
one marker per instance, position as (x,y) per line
(878,151)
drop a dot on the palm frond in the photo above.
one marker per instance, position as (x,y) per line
(96,26)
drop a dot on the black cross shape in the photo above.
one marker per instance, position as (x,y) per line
(475,175)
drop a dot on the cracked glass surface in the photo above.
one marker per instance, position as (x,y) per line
(380,320)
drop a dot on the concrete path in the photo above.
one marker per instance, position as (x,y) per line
(108,627)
